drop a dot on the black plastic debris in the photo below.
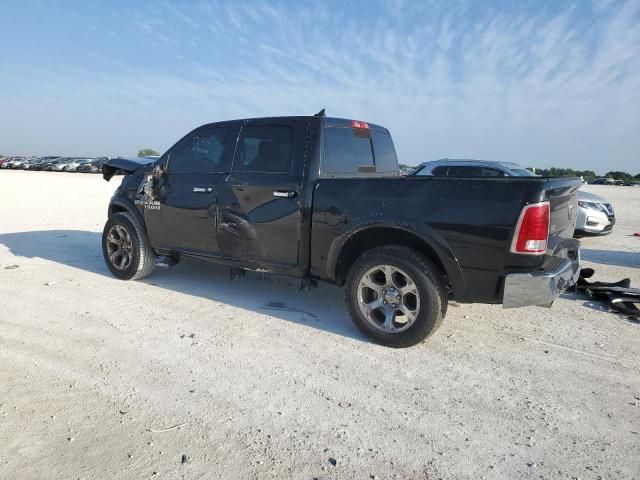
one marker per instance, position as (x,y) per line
(619,296)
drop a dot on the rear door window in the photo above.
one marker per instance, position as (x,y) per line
(264,148)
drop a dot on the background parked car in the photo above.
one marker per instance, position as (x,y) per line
(40,163)
(48,164)
(34,163)
(595,214)
(66,165)
(91,165)
(602,181)
(17,163)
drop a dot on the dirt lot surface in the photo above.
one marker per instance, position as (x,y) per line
(188,375)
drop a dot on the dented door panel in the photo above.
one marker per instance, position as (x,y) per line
(255,225)
(260,212)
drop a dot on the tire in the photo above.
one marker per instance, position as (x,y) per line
(123,236)
(419,303)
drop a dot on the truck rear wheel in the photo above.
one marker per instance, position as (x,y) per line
(395,295)
(126,249)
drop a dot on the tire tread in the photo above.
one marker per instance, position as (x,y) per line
(422,266)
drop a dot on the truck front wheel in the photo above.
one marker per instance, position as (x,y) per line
(395,295)
(126,249)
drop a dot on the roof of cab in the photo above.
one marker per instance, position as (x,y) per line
(328,121)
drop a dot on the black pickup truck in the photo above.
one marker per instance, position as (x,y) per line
(320,198)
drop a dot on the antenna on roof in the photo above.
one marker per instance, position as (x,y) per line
(320,113)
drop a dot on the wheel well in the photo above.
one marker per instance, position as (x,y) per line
(378,237)
(116,209)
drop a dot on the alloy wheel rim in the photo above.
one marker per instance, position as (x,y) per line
(388,298)
(119,247)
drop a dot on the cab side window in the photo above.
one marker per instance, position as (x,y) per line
(264,148)
(492,172)
(201,152)
(465,171)
(440,171)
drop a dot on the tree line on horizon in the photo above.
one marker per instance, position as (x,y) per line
(586,174)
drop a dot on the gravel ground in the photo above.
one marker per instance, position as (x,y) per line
(188,375)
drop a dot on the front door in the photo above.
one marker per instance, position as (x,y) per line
(183,217)
(259,204)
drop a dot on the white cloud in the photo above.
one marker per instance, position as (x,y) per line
(538,88)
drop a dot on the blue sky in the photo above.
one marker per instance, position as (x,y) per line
(539,83)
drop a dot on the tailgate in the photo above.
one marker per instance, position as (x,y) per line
(562,194)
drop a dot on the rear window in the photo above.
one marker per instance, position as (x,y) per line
(352,151)
(347,150)
(384,153)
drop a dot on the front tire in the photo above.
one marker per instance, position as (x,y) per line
(396,296)
(126,248)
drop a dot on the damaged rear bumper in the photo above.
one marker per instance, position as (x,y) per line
(559,272)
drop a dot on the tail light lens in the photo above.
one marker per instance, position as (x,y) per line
(532,230)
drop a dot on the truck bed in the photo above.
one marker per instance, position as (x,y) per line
(468,223)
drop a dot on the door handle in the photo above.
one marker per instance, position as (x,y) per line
(202,189)
(284,193)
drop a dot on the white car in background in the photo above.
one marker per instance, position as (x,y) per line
(70,165)
(595,213)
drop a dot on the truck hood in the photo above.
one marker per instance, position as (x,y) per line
(128,165)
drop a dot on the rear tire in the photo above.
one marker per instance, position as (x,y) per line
(396,296)
(126,248)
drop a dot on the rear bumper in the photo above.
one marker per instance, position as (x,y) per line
(559,272)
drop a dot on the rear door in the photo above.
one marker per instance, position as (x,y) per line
(183,217)
(259,203)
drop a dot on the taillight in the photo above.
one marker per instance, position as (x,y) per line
(532,230)
(357,124)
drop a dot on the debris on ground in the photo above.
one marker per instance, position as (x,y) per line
(166,429)
(285,308)
(619,296)
(11,267)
